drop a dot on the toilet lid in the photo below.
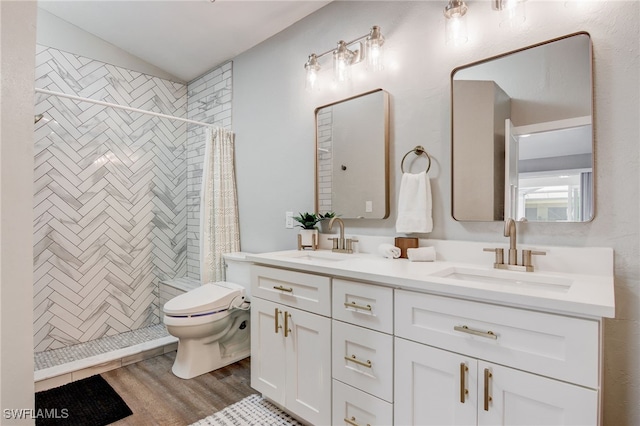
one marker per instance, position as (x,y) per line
(208,298)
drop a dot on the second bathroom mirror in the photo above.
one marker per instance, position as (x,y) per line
(352,157)
(522,136)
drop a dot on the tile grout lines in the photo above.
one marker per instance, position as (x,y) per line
(109,200)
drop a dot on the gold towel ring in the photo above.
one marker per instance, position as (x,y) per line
(418,150)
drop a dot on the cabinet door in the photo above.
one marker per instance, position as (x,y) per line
(513,397)
(430,386)
(308,366)
(268,349)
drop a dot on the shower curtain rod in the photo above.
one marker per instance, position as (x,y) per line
(141,111)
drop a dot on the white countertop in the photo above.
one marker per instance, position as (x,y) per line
(580,279)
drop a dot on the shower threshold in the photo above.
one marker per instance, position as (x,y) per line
(60,366)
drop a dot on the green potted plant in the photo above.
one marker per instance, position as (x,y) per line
(307,220)
(324,221)
(327,215)
(308,237)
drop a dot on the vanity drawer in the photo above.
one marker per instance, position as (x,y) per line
(361,304)
(352,406)
(363,358)
(308,292)
(565,348)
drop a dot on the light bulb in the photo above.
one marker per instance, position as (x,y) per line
(312,67)
(374,50)
(455,24)
(512,12)
(342,63)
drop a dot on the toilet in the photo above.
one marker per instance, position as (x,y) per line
(211,321)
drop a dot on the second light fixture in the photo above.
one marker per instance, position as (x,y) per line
(456,22)
(369,49)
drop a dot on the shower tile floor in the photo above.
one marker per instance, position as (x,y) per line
(60,366)
(100,346)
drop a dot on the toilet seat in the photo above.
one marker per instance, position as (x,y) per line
(208,299)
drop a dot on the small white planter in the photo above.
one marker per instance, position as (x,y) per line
(324,227)
(308,239)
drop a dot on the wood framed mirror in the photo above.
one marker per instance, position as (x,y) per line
(352,156)
(522,134)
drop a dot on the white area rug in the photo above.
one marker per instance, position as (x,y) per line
(253,410)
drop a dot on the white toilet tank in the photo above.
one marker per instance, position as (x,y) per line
(238,270)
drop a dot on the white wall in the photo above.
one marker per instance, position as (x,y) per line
(17,43)
(273,120)
(479,151)
(58,33)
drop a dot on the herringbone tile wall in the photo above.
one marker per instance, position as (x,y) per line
(209,102)
(110,198)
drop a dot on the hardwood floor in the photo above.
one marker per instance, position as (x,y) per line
(157,397)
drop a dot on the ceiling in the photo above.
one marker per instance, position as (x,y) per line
(185,38)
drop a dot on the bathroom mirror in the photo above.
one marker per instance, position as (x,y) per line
(522,135)
(352,156)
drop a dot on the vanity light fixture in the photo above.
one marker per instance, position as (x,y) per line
(375,52)
(342,60)
(456,23)
(369,47)
(512,12)
(312,67)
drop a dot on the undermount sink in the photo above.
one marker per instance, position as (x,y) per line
(323,256)
(514,278)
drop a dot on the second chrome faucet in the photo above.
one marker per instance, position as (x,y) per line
(341,244)
(510,231)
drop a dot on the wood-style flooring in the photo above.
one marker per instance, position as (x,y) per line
(157,397)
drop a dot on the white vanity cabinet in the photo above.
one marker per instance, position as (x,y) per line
(358,340)
(460,362)
(362,360)
(291,341)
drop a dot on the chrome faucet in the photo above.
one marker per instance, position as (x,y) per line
(341,244)
(512,254)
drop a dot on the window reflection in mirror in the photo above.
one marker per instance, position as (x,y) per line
(555,181)
(522,137)
(352,145)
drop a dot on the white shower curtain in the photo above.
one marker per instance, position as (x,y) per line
(219,224)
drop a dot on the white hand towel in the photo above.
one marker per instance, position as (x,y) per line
(414,204)
(421,254)
(389,251)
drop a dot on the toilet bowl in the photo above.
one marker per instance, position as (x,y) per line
(211,323)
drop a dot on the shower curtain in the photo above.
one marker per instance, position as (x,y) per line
(219,224)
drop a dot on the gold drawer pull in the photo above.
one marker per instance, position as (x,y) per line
(487,396)
(488,334)
(278,326)
(352,421)
(279,287)
(356,306)
(463,387)
(357,361)
(287,330)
